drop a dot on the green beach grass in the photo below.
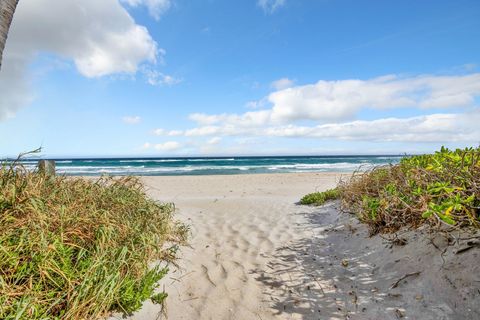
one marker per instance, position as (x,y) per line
(72,248)
(440,189)
(319,198)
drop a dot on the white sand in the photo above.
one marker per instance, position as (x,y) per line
(255,254)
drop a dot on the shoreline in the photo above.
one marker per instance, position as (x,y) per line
(215,166)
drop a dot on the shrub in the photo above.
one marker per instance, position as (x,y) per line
(319,198)
(440,189)
(72,248)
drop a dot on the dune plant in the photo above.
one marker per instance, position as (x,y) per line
(72,248)
(319,198)
(440,189)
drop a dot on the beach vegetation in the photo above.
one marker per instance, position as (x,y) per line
(440,190)
(76,248)
(319,198)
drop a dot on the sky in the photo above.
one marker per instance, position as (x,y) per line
(89,78)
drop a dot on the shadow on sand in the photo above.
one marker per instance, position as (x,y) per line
(333,270)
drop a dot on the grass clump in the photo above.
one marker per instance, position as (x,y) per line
(72,248)
(319,198)
(440,189)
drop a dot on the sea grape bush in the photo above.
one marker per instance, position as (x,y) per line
(439,189)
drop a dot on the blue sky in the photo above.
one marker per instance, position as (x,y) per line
(216,77)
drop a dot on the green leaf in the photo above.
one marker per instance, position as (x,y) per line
(446,219)
(427,214)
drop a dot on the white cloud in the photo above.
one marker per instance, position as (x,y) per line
(171,133)
(168,146)
(342,100)
(270,6)
(100,37)
(252,104)
(174,133)
(334,105)
(252,118)
(457,127)
(156,78)
(159,132)
(257,104)
(131,119)
(203,131)
(14,87)
(428,128)
(281,84)
(328,101)
(155,7)
(214,141)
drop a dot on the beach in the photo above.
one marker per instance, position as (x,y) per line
(254,253)
(239,160)
(237,222)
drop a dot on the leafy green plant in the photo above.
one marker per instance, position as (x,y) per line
(319,198)
(440,189)
(371,207)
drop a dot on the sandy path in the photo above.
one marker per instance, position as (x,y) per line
(255,254)
(238,222)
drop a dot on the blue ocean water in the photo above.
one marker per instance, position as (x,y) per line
(220,165)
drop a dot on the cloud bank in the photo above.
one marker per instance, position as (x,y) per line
(327,101)
(429,128)
(335,105)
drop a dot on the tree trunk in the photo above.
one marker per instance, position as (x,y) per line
(7,8)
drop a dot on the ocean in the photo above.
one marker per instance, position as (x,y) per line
(217,165)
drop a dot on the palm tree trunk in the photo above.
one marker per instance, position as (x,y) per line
(7,8)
